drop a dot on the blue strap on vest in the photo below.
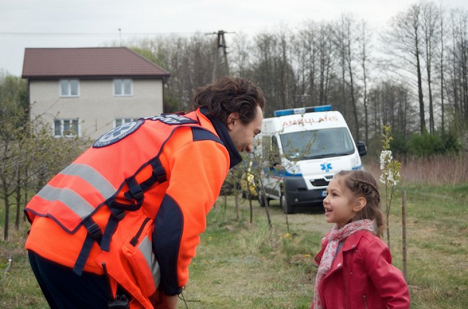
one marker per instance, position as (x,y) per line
(94,234)
(114,219)
(157,176)
(134,192)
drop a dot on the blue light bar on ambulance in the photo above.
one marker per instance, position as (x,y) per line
(302,110)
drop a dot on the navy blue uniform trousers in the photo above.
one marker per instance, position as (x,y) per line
(64,289)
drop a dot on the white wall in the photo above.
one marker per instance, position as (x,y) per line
(96,107)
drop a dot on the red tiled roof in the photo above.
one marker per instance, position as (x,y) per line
(88,62)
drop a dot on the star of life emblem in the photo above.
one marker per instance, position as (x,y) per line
(117,133)
(326,167)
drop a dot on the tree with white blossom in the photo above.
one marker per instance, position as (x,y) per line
(390,176)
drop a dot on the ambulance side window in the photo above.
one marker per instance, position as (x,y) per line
(275,153)
(270,150)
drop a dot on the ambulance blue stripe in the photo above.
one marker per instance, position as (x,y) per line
(68,197)
(93,177)
(280,173)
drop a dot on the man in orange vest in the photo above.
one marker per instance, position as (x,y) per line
(119,226)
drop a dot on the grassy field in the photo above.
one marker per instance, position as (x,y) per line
(251,265)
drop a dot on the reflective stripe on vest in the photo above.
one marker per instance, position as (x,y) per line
(92,176)
(70,198)
(73,200)
(146,250)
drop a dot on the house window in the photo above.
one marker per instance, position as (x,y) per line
(69,88)
(123,87)
(121,121)
(66,127)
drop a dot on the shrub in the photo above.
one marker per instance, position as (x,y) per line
(422,145)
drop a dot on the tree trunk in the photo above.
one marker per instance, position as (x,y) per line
(420,93)
(7,218)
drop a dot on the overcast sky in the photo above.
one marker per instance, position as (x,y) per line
(90,23)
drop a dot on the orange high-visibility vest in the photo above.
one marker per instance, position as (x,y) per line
(109,197)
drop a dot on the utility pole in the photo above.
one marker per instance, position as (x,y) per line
(220,44)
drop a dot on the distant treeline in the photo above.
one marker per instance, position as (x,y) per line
(412,75)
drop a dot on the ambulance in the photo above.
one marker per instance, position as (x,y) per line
(299,151)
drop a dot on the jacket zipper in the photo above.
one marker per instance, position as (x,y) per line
(364,298)
(347,279)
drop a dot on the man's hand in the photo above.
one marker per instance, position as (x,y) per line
(166,302)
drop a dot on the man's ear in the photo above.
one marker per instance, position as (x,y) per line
(360,203)
(231,120)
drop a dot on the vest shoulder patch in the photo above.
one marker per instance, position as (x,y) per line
(117,134)
(172,119)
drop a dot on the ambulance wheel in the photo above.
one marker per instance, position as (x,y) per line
(261,199)
(287,209)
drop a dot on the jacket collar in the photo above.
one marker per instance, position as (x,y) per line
(234,155)
(353,240)
(349,244)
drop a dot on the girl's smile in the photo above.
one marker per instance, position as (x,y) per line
(338,203)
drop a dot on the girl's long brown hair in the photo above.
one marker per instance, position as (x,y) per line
(363,184)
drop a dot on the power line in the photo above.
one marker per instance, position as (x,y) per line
(89,33)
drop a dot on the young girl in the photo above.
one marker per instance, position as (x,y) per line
(355,269)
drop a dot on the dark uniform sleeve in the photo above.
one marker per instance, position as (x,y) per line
(197,173)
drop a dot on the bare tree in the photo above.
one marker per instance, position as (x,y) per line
(305,52)
(458,59)
(189,59)
(265,68)
(345,36)
(430,20)
(364,41)
(441,55)
(403,42)
(286,72)
(390,103)
(241,57)
(326,61)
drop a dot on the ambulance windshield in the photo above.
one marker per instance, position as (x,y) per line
(315,144)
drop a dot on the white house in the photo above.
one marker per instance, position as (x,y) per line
(88,91)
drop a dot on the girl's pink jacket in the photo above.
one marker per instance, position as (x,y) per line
(362,276)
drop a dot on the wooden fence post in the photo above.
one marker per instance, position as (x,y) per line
(403,225)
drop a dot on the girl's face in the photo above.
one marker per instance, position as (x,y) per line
(339,203)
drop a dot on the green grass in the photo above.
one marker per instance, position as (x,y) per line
(243,265)
(18,286)
(239,265)
(437,230)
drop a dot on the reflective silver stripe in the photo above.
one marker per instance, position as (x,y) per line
(70,198)
(147,250)
(92,176)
